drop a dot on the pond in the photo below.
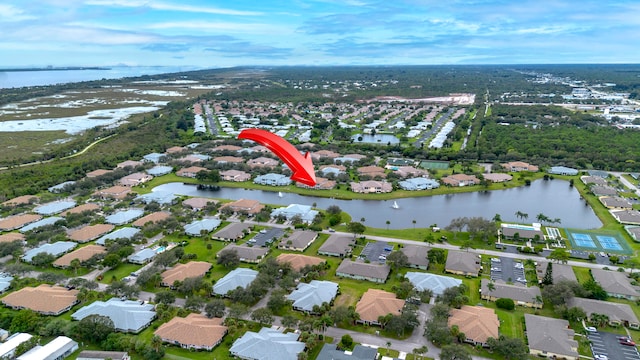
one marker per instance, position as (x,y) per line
(553,198)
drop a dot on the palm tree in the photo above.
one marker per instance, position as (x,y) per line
(491,286)
(362,220)
(388,346)
(414,223)
(519,214)
(388,223)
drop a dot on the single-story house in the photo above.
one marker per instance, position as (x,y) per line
(427,281)
(51,220)
(299,261)
(550,338)
(317,292)
(521,294)
(195,331)
(160,170)
(299,240)
(320,154)
(21,200)
(244,206)
(267,344)
(477,323)
(616,202)
(604,190)
(337,245)
(196,227)
(359,352)
(463,263)
(616,284)
(235,175)
(91,207)
(363,271)
(419,183)
(250,254)
(416,256)
(627,216)
(117,192)
(372,171)
(56,249)
(619,314)
(191,171)
(54,207)
(229,159)
(103,355)
(460,180)
(182,272)
(82,254)
(305,212)
(143,256)
(238,277)
(89,232)
(272,180)
(135,179)
(375,303)
(17,221)
(562,170)
(198,203)
(263,162)
(232,232)
(129,163)
(124,216)
(371,187)
(497,177)
(321,184)
(122,233)
(559,272)
(154,158)
(127,315)
(59,348)
(43,299)
(155,217)
(509,233)
(515,166)
(587,179)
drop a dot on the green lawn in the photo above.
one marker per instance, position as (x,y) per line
(582,274)
(119,272)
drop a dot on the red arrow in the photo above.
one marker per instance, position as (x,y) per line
(301,166)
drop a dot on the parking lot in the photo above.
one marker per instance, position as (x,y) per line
(266,237)
(507,270)
(376,251)
(604,343)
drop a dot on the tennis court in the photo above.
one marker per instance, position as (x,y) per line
(598,241)
(434,165)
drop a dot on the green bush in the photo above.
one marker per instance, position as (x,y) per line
(505,303)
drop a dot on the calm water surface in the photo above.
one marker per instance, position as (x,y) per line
(554,199)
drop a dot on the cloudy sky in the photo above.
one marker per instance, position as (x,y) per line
(322,32)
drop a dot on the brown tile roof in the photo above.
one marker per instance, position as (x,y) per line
(44,299)
(90,232)
(245,205)
(24,199)
(131,163)
(81,208)
(99,172)
(116,192)
(190,170)
(11,237)
(229,159)
(371,170)
(476,322)
(82,254)
(226,148)
(298,261)
(195,330)
(18,221)
(184,271)
(153,217)
(198,203)
(375,303)
(175,149)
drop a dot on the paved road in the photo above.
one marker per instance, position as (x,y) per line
(626,182)
(435,127)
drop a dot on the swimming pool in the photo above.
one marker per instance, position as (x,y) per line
(160,249)
(519,227)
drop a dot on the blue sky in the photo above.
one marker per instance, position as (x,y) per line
(322,32)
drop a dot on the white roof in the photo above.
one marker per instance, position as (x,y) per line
(238,277)
(54,207)
(9,346)
(314,293)
(205,224)
(124,216)
(40,223)
(127,315)
(268,344)
(55,249)
(55,349)
(122,233)
(435,283)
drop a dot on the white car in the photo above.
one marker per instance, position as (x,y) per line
(600,357)
(591,329)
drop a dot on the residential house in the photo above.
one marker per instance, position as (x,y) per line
(599,190)
(154,158)
(593,180)
(559,272)
(82,254)
(229,159)
(142,257)
(616,202)
(135,179)
(375,303)
(633,231)
(477,323)
(5,284)
(299,240)
(618,314)
(460,180)
(230,148)
(181,272)
(197,203)
(194,158)
(332,169)
(62,187)
(51,220)
(508,232)
(56,249)
(463,263)
(497,177)
(521,294)
(427,281)
(299,261)
(20,200)
(11,237)
(416,256)
(315,293)
(359,352)
(175,150)
(324,154)
(90,207)
(550,338)
(103,355)
(97,173)
(249,254)
(129,163)
(235,175)
(244,206)
(160,170)
(562,170)
(122,233)
(197,227)
(152,218)
(631,217)
(409,171)
(54,207)
(191,171)
(44,299)
(420,183)
(371,187)
(348,158)
(372,171)
(117,192)
(194,332)
(59,348)
(9,346)
(124,216)
(232,232)
(272,180)
(304,212)
(17,221)
(321,184)
(127,315)
(516,166)
(337,245)
(238,277)
(363,271)
(89,232)
(263,162)
(616,284)
(267,344)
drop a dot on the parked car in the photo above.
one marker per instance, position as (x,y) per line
(628,342)
(600,357)
(591,329)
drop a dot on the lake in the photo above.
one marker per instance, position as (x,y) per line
(12,79)
(553,198)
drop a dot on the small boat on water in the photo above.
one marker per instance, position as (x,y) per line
(395,205)
(280,194)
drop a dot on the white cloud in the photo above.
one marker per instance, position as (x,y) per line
(172,7)
(10,13)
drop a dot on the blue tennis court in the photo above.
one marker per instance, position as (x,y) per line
(609,243)
(583,240)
